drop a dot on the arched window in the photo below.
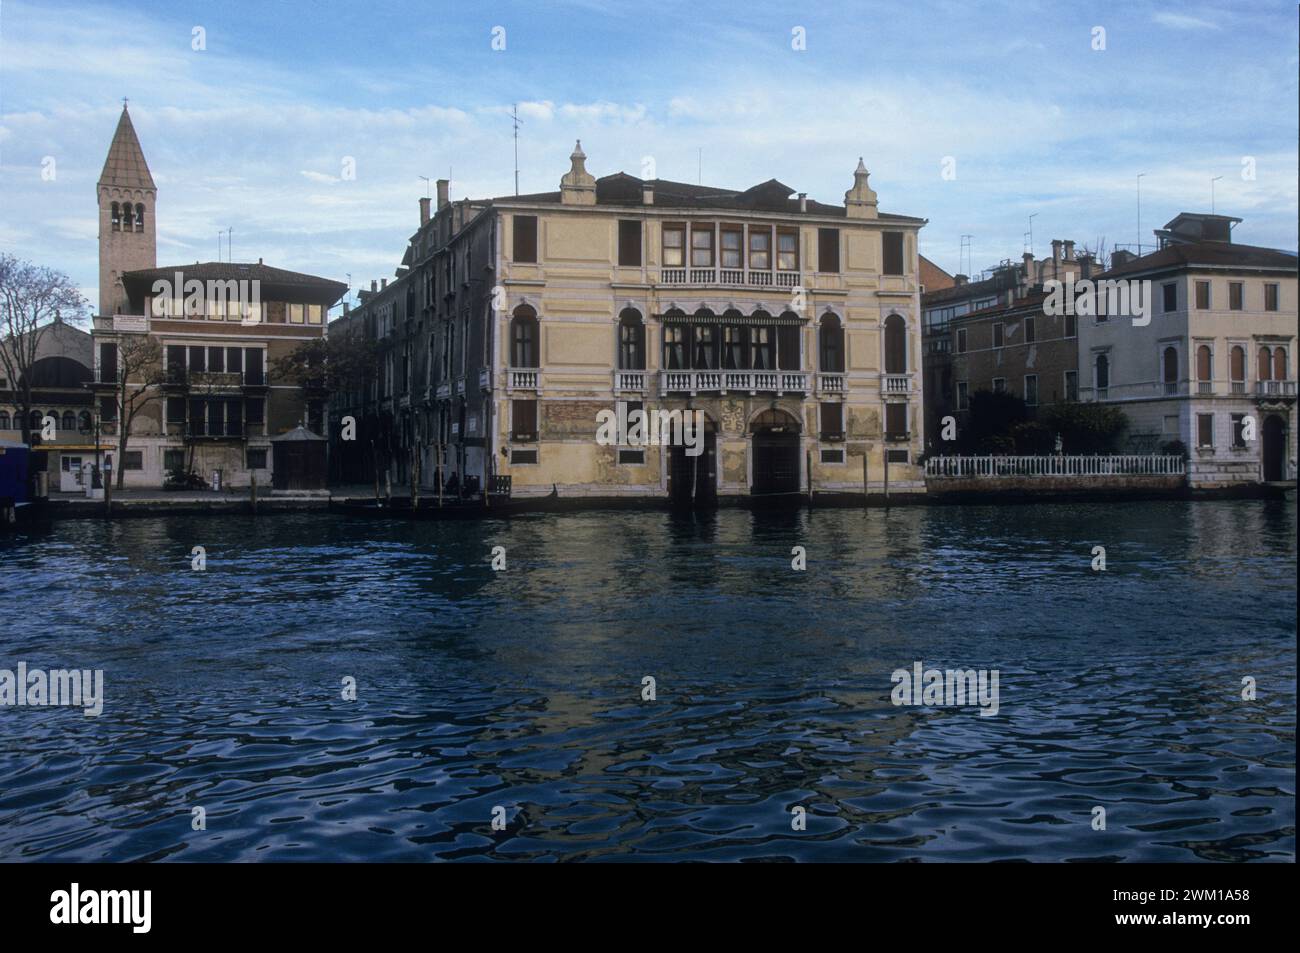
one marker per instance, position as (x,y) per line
(69,421)
(830,344)
(1102,374)
(1237,368)
(4,420)
(895,345)
(1279,364)
(34,422)
(139,217)
(523,337)
(1169,370)
(127,216)
(117,217)
(631,340)
(1264,367)
(84,422)
(1204,363)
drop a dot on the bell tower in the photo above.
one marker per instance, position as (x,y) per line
(127,201)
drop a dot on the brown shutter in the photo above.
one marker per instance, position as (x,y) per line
(832,421)
(893,253)
(896,420)
(828,250)
(525,227)
(525,420)
(629,242)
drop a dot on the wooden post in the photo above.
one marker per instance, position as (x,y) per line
(388,487)
(415,479)
(865,484)
(807,457)
(108,496)
(374,456)
(437,476)
(885,451)
(252,489)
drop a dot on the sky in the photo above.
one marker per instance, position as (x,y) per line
(973,116)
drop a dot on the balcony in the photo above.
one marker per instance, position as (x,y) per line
(896,385)
(1275,388)
(523,378)
(833,384)
(730,381)
(730,277)
(633,381)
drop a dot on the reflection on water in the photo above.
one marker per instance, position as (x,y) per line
(522,689)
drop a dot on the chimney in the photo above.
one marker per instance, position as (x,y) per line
(383,283)
(1069,250)
(347,308)
(860,201)
(374,286)
(803,201)
(259,261)
(578,186)
(444,187)
(424,211)
(1028,267)
(959,280)
(647,193)
(1086,264)
(1121,257)
(1056,249)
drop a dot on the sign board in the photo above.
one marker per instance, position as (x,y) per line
(131,323)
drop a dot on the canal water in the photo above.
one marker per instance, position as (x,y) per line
(518,694)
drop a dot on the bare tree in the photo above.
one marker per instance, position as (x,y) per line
(32,299)
(136,386)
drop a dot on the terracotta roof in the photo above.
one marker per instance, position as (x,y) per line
(933,277)
(1210,254)
(125,166)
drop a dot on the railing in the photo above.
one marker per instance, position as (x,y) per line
(896,383)
(182,377)
(1056,465)
(735,277)
(779,382)
(629,380)
(1275,388)
(523,378)
(830,383)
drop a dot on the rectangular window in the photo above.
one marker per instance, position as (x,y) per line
(963,395)
(234,360)
(176,410)
(1205,430)
(1071,385)
(632,457)
(961,340)
(896,421)
(997,334)
(896,456)
(760,250)
(629,243)
(525,232)
(1270,297)
(255,459)
(296,314)
(217,360)
(732,248)
(999,385)
(701,248)
(787,251)
(828,250)
(674,246)
(523,456)
(832,456)
(108,362)
(1031,331)
(253,365)
(254,408)
(315,314)
(133,460)
(1203,295)
(1236,295)
(198,359)
(892,253)
(1238,437)
(1071,326)
(1031,389)
(176,362)
(173,459)
(523,423)
(1170,296)
(832,420)
(198,418)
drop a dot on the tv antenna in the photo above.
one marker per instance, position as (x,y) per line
(426,185)
(516,122)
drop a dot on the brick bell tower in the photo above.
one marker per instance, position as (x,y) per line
(127,200)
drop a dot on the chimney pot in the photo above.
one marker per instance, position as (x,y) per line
(1069,251)
(803,201)
(424,210)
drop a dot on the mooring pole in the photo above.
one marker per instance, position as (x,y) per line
(252,489)
(807,457)
(865,484)
(885,450)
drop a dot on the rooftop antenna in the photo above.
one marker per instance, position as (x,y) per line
(699,166)
(965,250)
(230,255)
(1212,181)
(426,185)
(514,118)
(1139,182)
(1031,233)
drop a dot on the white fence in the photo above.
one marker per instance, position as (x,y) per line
(1056,466)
